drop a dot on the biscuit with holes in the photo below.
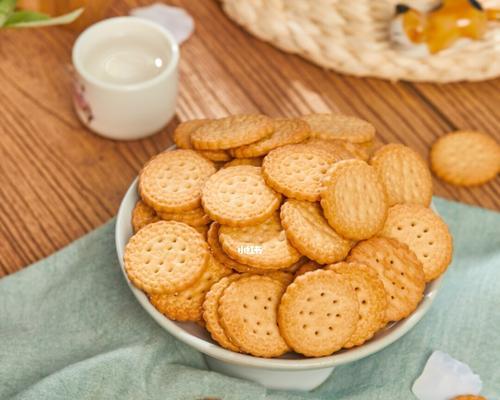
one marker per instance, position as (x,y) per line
(286,131)
(372,300)
(248,313)
(211,313)
(183,131)
(309,232)
(307,267)
(284,277)
(219,254)
(239,196)
(165,257)
(143,215)
(195,217)
(354,200)
(172,180)
(256,162)
(297,170)
(232,131)
(343,149)
(399,270)
(182,139)
(404,174)
(263,246)
(465,158)
(338,126)
(186,305)
(425,233)
(318,313)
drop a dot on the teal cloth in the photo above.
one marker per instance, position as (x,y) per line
(71,329)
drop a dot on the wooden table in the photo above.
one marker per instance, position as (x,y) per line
(58,181)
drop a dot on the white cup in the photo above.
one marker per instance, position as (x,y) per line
(126,77)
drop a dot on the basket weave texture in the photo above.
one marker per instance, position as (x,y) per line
(352,36)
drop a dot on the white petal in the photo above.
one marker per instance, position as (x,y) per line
(444,377)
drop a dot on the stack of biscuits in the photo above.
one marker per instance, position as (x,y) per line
(283,235)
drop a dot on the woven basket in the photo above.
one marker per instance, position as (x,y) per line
(352,36)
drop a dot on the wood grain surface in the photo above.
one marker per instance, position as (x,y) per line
(58,181)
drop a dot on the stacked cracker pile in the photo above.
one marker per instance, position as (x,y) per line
(312,244)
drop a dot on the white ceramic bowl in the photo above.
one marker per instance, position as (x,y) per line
(291,371)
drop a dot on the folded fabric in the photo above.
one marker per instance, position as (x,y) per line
(71,329)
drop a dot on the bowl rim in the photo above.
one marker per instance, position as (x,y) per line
(399,328)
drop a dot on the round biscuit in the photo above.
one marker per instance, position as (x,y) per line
(286,131)
(465,158)
(172,180)
(297,170)
(232,131)
(404,175)
(256,162)
(248,313)
(318,313)
(186,305)
(165,257)
(183,131)
(263,246)
(239,196)
(182,139)
(343,149)
(399,270)
(338,126)
(219,254)
(211,313)
(469,397)
(284,277)
(354,201)
(309,232)
(195,217)
(142,215)
(372,300)
(425,233)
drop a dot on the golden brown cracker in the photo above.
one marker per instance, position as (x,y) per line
(263,246)
(297,170)
(248,313)
(232,131)
(318,313)
(239,196)
(309,232)
(404,175)
(186,305)
(465,158)
(218,252)
(256,162)
(338,126)
(172,180)
(165,257)
(286,131)
(399,270)
(354,201)
(142,215)
(372,300)
(425,233)
(211,313)
(195,217)
(183,131)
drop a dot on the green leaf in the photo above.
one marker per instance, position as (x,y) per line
(6,9)
(30,19)
(25,16)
